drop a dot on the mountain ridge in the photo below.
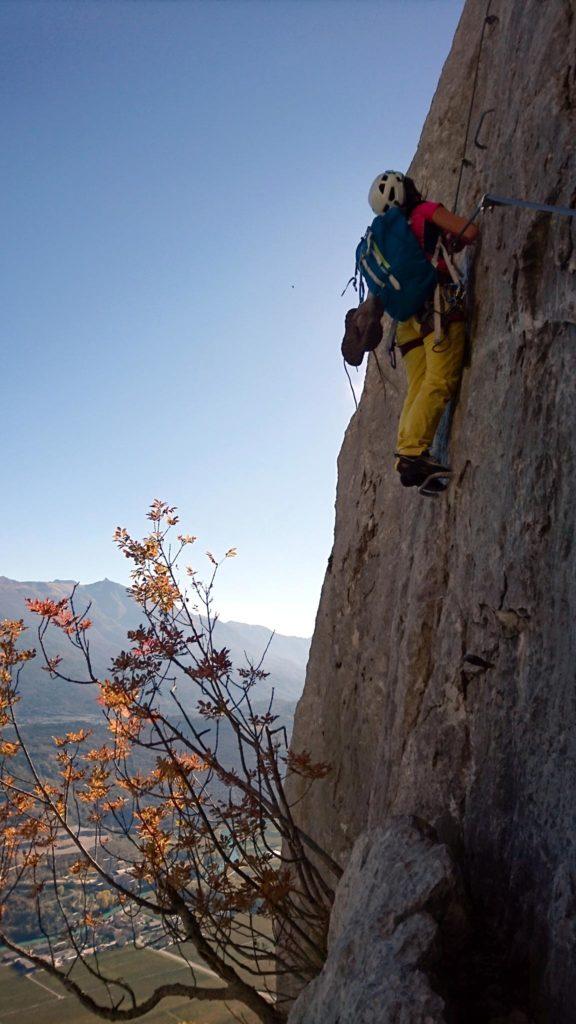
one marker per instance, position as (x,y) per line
(113,613)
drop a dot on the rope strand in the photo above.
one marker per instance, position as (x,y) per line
(487,21)
(351,385)
(463,161)
(382,378)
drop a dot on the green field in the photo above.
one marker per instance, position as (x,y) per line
(37,998)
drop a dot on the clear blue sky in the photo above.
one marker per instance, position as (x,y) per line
(183,186)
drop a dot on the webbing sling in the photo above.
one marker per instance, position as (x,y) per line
(488,201)
(440,251)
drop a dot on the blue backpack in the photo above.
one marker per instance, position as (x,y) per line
(394,266)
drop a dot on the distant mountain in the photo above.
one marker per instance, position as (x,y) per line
(113,612)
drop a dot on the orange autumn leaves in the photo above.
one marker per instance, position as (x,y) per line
(192,821)
(59,614)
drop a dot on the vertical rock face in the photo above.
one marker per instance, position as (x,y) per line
(442,670)
(384,933)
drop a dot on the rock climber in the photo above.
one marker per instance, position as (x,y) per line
(433,364)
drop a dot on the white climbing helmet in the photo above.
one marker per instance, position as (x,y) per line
(387,190)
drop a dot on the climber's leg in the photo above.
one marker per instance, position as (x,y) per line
(443,365)
(414,359)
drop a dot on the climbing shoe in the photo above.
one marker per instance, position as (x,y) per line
(372,335)
(433,486)
(416,471)
(362,330)
(352,347)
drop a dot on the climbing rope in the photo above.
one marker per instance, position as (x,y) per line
(488,20)
(382,378)
(351,384)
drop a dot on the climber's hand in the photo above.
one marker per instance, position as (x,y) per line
(453,243)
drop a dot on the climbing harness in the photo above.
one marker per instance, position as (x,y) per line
(448,298)
(386,268)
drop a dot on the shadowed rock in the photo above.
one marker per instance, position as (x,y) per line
(384,932)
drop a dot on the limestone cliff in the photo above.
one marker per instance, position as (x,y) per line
(416,589)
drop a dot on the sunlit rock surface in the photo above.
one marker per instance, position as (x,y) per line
(441,679)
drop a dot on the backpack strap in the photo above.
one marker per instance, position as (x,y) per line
(363,265)
(437,297)
(409,345)
(383,263)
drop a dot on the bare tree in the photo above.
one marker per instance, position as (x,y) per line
(160,813)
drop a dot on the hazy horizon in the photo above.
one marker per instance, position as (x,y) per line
(125,587)
(188,183)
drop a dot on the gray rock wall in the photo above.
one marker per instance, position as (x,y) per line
(384,933)
(414,587)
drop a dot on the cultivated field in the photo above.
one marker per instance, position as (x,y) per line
(36,998)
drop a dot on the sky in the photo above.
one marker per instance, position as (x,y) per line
(183,185)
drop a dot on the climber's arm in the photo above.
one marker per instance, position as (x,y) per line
(453,224)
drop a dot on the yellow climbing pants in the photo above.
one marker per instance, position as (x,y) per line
(433,370)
